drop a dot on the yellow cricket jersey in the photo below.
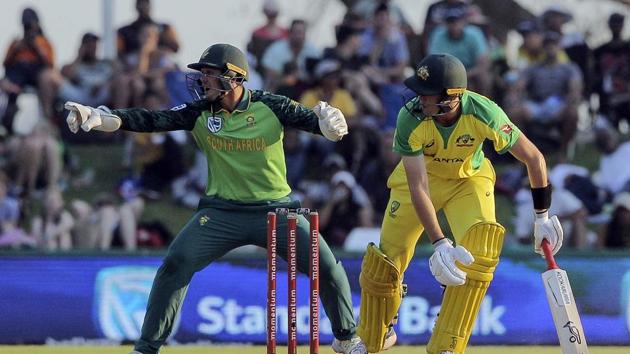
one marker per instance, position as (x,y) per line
(452,152)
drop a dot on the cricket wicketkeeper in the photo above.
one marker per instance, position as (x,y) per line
(440,134)
(240,131)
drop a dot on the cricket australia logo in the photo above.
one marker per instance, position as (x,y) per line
(464,140)
(215,124)
(575,332)
(423,72)
(393,208)
(203,220)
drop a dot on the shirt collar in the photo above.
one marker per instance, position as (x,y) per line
(243,104)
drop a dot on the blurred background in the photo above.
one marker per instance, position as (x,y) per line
(99,210)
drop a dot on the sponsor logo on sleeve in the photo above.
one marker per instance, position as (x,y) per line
(178,108)
(506,128)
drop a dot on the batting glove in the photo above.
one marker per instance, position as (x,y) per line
(547,228)
(442,263)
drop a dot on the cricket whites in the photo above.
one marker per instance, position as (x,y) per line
(563,307)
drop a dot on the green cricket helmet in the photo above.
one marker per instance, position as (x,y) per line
(227,58)
(438,74)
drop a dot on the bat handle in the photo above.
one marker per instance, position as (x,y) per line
(551,262)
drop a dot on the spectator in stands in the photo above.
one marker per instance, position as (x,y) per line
(255,81)
(327,88)
(52,228)
(374,175)
(386,49)
(129,39)
(612,73)
(11,235)
(616,234)
(93,226)
(365,10)
(271,31)
(36,155)
(26,59)
(346,52)
(436,16)
(347,207)
(86,79)
(532,52)
(107,223)
(570,209)
(553,19)
(293,49)
(188,189)
(143,70)
(614,171)
(467,43)
(158,158)
(296,156)
(553,91)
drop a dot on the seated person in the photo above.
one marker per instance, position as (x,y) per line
(553,90)
(52,228)
(26,59)
(347,207)
(86,79)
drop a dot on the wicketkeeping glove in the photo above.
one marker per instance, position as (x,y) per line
(332,123)
(442,263)
(89,118)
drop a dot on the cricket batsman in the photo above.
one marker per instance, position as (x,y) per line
(241,132)
(440,134)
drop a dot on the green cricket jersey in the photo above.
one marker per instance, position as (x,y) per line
(243,148)
(456,151)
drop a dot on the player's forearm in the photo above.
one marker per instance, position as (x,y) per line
(525,151)
(144,120)
(426,213)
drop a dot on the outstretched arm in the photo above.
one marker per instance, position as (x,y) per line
(132,119)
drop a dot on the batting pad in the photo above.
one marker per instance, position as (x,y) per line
(381,295)
(461,303)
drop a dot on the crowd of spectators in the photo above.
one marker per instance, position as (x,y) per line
(546,89)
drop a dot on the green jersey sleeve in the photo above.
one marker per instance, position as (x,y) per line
(407,142)
(181,117)
(289,112)
(503,133)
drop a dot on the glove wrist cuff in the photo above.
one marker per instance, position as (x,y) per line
(542,215)
(437,243)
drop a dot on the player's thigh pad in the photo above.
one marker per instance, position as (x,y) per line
(381,295)
(461,303)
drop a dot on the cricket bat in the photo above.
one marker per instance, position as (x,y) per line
(563,307)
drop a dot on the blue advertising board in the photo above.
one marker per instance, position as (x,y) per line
(59,298)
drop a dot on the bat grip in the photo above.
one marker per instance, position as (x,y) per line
(551,262)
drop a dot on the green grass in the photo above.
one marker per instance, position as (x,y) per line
(241,349)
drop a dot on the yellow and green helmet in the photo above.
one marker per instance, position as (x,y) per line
(438,74)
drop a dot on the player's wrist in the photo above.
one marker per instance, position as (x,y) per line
(541,214)
(439,241)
